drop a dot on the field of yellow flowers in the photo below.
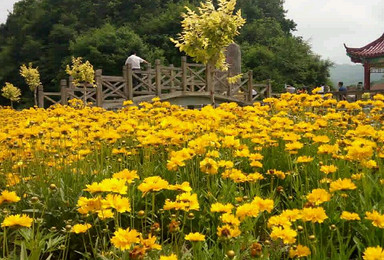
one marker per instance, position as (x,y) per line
(297,177)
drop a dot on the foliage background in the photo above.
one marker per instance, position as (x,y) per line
(49,32)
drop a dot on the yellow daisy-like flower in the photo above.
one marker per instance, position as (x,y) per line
(195,237)
(17,221)
(184,187)
(154,183)
(314,215)
(223,208)
(127,175)
(108,185)
(376,218)
(304,159)
(228,231)
(349,216)
(209,166)
(170,257)
(373,253)
(80,228)
(342,184)
(300,251)
(124,238)
(149,243)
(286,234)
(318,196)
(8,197)
(117,202)
(327,169)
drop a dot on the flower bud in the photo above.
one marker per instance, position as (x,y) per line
(231,254)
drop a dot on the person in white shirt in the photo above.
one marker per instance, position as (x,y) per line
(135,61)
(290,89)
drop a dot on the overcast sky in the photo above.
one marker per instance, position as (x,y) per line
(326,24)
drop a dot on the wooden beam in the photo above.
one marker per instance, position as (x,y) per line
(40,95)
(158,77)
(99,88)
(63,91)
(184,73)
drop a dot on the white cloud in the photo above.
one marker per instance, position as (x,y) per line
(330,23)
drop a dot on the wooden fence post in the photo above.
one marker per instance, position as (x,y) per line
(99,88)
(63,92)
(184,73)
(40,95)
(208,78)
(172,78)
(250,85)
(128,77)
(70,82)
(230,85)
(130,81)
(269,90)
(149,79)
(158,77)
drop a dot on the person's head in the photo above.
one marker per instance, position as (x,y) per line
(133,52)
(341,84)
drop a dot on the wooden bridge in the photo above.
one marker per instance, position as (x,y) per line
(185,85)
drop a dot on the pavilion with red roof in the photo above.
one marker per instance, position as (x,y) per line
(372,58)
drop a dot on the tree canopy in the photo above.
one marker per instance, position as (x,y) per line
(48,32)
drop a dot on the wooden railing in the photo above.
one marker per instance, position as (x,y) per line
(158,80)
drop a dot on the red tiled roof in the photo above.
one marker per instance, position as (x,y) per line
(372,50)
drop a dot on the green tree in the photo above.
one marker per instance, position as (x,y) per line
(108,47)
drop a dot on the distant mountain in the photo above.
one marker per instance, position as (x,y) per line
(350,74)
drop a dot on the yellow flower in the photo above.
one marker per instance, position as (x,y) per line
(154,183)
(149,243)
(328,169)
(80,228)
(127,175)
(108,185)
(318,196)
(105,214)
(279,174)
(184,187)
(349,216)
(124,238)
(314,215)
(189,201)
(247,210)
(117,202)
(342,184)
(373,253)
(219,207)
(321,139)
(88,205)
(228,231)
(195,237)
(304,159)
(280,221)
(300,251)
(17,221)
(376,217)
(287,234)
(263,204)
(209,166)
(8,197)
(231,219)
(170,257)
